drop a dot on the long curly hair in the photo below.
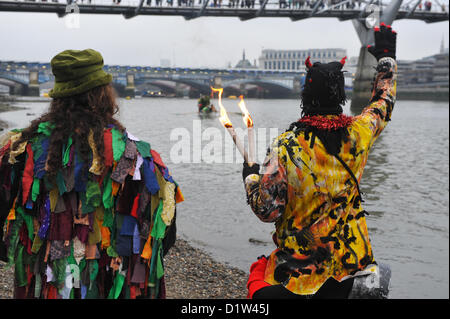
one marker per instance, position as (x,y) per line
(75,116)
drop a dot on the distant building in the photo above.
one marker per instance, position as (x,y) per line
(245,64)
(352,61)
(165,63)
(431,71)
(415,72)
(443,50)
(440,69)
(294,60)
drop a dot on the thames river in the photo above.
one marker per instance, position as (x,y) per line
(406,182)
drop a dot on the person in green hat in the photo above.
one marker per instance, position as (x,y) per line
(77,72)
(89,208)
(204,104)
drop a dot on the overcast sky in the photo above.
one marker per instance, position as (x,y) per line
(212,42)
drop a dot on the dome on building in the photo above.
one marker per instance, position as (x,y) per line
(244,63)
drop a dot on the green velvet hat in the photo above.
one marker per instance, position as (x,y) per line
(76,72)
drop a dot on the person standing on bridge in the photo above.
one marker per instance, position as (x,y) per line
(309,187)
(89,208)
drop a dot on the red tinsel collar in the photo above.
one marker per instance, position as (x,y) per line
(327,123)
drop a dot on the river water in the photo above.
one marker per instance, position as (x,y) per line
(406,182)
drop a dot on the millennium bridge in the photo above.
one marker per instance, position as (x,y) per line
(242,9)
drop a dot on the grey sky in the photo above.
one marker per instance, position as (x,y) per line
(212,42)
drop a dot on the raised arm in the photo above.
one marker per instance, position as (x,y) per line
(378,113)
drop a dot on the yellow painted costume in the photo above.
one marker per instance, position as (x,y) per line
(314,201)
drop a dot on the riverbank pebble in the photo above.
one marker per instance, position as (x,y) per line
(6,281)
(190,273)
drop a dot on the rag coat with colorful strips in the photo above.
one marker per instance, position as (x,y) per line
(95,229)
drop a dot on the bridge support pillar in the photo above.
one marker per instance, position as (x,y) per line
(17,89)
(243,91)
(297,88)
(33,86)
(362,86)
(179,90)
(130,88)
(260,92)
(194,93)
(217,82)
(366,62)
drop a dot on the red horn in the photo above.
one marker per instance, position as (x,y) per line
(343,60)
(308,62)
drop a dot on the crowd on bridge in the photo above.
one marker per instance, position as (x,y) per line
(283,4)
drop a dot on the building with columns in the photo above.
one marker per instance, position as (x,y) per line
(294,60)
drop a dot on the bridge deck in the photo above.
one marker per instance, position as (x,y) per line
(193,12)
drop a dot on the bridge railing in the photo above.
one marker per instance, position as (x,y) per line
(306,5)
(421,5)
(219,4)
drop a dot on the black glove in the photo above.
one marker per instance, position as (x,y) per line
(247,170)
(385,42)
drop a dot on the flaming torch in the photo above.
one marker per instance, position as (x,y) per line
(251,135)
(225,120)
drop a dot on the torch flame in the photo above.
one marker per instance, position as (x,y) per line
(224,119)
(247,118)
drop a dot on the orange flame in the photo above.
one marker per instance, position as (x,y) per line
(224,119)
(247,118)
